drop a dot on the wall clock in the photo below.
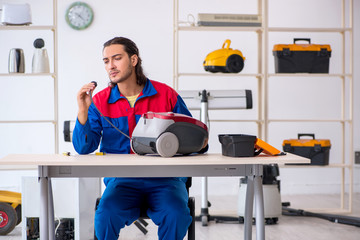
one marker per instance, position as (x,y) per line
(79,15)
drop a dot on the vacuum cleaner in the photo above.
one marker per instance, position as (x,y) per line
(168,134)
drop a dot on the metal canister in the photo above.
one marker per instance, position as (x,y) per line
(16,61)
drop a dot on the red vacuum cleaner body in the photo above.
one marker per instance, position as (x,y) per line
(168,134)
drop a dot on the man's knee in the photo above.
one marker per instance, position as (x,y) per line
(104,228)
(179,213)
(109,220)
(173,223)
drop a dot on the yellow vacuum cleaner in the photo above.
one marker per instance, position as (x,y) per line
(225,60)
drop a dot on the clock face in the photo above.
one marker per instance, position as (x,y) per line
(79,15)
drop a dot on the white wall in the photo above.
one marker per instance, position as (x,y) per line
(150,26)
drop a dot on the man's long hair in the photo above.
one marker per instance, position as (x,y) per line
(131,49)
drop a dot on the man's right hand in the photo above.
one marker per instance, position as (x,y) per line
(84,101)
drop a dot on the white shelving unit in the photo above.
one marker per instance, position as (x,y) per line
(346,118)
(54,74)
(264,77)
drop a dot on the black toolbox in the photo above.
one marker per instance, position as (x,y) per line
(318,150)
(302,58)
(237,145)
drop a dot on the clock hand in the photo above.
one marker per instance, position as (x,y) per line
(79,15)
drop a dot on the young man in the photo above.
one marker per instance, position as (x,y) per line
(129,95)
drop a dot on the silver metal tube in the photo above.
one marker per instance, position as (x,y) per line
(204,112)
(204,192)
(44,224)
(204,180)
(259,206)
(51,211)
(249,202)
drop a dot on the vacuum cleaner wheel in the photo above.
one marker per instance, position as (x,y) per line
(234,64)
(167,144)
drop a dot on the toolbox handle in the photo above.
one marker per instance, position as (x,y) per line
(302,39)
(306,134)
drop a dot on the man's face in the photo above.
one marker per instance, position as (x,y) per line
(118,64)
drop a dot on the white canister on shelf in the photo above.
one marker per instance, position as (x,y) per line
(40,61)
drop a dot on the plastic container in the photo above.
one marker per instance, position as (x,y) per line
(237,145)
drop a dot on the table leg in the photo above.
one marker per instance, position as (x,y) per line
(248,215)
(51,212)
(259,207)
(44,224)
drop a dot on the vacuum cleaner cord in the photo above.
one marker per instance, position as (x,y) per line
(117,129)
(90,93)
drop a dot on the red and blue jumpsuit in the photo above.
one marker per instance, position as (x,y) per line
(119,205)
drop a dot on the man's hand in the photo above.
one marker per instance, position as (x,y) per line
(84,101)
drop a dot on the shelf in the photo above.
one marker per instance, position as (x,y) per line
(227,29)
(261,29)
(269,75)
(322,30)
(51,29)
(44,27)
(308,75)
(28,121)
(26,74)
(220,74)
(233,120)
(310,120)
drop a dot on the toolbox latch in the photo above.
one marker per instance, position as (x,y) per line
(324,52)
(288,148)
(317,147)
(286,52)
